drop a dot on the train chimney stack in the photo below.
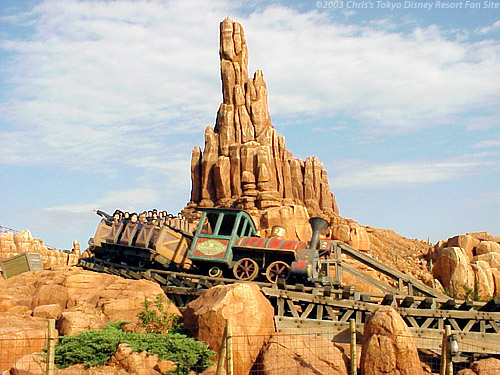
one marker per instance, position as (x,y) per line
(318,225)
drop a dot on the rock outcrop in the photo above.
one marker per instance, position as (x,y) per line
(468,266)
(245,163)
(487,366)
(251,316)
(13,244)
(454,271)
(299,354)
(388,346)
(20,335)
(79,299)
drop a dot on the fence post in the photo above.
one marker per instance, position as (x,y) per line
(445,351)
(354,361)
(51,346)
(229,348)
(222,352)
(449,362)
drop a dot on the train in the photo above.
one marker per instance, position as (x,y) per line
(225,244)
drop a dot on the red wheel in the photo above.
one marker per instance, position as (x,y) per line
(246,269)
(276,270)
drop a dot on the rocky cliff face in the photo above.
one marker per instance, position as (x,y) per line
(245,163)
(13,244)
(468,266)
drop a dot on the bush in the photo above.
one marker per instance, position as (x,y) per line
(95,347)
(154,319)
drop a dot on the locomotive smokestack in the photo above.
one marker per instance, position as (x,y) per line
(318,225)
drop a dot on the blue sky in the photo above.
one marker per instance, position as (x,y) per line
(101,103)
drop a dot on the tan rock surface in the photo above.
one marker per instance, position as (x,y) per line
(301,354)
(388,345)
(493,259)
(484,283)
(466,242)
(13,244)
(251,316)
(86,299)
(486,247)
(48,311)
(20,336)
(454,271)
(488,366)
(30,364)
(132,362)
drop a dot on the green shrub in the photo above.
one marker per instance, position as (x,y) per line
(95,347)
(154,319)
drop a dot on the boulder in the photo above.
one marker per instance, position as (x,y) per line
(133,362)
(250,314)
(493,259)
(485,236)
(485,285)
(486,247)
(85,318)
(488,366)
(495,273)
(48,311)
(454,271)
(388,346)
(300,354)
(30,364)
(466,242)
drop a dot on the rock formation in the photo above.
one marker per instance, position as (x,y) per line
(245,163)
(301,354)
(13,244)
(468,266)
(251,316)
(388,345)
(24,333)
(487,366)
(78,299)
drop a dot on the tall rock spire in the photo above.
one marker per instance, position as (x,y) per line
(245,163)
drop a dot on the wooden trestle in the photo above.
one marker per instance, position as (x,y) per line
(326,310)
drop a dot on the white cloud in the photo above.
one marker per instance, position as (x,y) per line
(487,143)
(133,199)
(360,174)
(488,29)
(99,77)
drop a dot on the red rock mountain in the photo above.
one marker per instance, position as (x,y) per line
(245,163)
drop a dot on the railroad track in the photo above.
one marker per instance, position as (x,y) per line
(327,309)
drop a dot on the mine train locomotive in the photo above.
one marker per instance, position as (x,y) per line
(224,244)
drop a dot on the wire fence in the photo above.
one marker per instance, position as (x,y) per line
(17,350)
(243,353)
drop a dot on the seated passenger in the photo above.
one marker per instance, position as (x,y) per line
(117,216)
(133,218)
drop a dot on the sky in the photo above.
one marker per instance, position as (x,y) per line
(102,102)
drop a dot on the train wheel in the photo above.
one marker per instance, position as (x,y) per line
(215,272)
(276,270)
(246,269)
